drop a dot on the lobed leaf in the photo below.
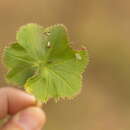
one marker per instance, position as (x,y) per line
(44,63)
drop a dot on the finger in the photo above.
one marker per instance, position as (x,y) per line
(13,100)
(32,118)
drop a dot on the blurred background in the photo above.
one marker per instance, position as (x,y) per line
(104,26)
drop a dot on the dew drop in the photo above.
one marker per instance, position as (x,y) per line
(47,33)
(78,56)
(48,44)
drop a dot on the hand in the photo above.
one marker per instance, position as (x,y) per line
(25,115)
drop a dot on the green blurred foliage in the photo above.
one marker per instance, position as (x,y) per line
(104,26)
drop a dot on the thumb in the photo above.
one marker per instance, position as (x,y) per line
(32,118)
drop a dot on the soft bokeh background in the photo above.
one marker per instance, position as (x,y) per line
(104,26)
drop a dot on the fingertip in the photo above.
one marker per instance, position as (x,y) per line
(28,119)
(17,99)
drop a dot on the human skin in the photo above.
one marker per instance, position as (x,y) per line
(25,115)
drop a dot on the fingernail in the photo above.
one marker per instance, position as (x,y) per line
(32,118)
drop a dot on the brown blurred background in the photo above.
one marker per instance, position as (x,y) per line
(104,26)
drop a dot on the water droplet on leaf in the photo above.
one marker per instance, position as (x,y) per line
(78,56)
(48,44)
(47,33)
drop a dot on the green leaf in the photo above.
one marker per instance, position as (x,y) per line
(31,38)
(15,55)
(20,74)
(19,64)
(44,63)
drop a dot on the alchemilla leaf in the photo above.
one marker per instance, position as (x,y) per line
(43,62)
